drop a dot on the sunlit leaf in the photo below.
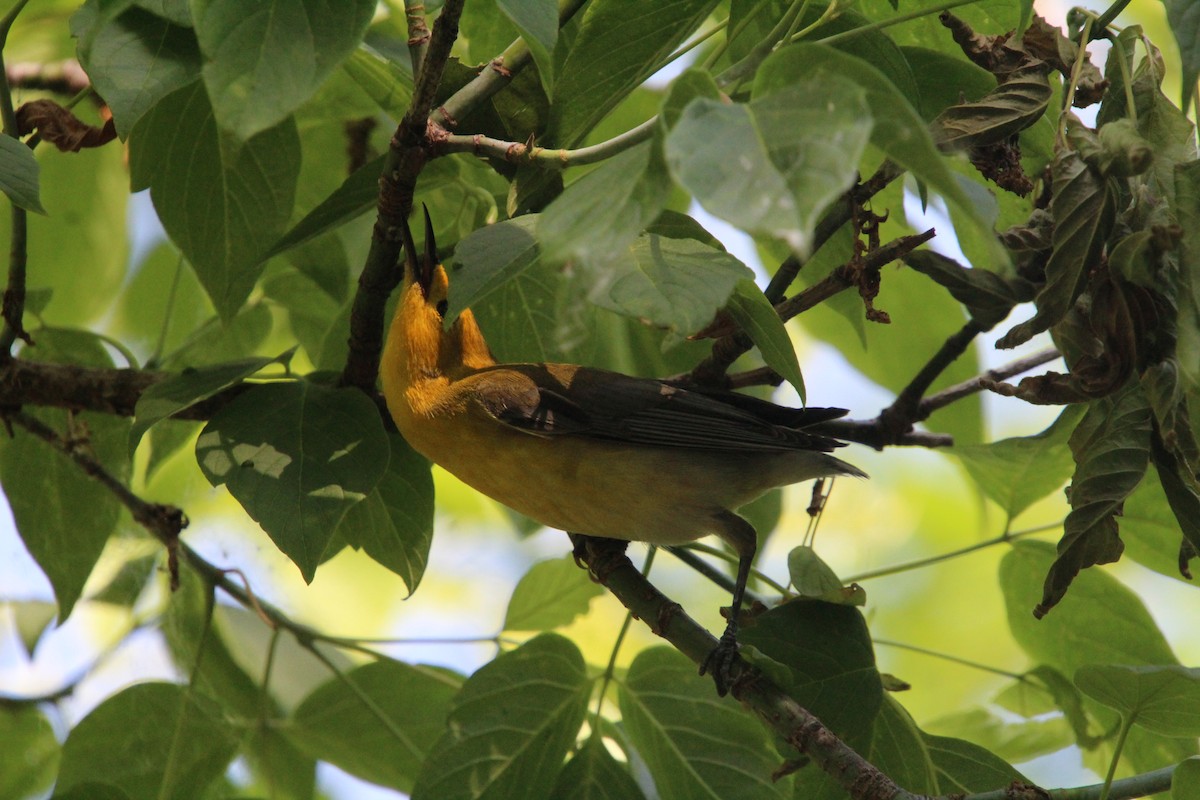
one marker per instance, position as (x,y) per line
(550,595)
(299,468)
(262,61)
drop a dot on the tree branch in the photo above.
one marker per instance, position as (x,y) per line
(164,522)
(12,307)
(607,562)
(981,382)
(898,418)
(405,159)
(517,152)
(495,76)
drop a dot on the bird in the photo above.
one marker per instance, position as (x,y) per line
(586,450)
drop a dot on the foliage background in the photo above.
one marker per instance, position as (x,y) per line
(916,504)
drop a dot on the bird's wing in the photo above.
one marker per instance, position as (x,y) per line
(554,400)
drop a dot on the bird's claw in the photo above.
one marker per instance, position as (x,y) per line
(721,661)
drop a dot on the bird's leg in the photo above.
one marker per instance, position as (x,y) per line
(720,662)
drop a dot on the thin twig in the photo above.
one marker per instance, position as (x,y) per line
(981,382)
(495,76)
(418,34)
(12,307)
(518,152)
(898,418)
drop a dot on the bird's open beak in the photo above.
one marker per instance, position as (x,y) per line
(421,267)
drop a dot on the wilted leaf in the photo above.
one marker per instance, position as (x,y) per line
(1082,206)
(1111,446)
(61,128)
(989,297)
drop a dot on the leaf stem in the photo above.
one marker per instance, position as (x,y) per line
(897,20)
(920,563)
(518,152)
(1126,725)
(966,662)
(1076,70)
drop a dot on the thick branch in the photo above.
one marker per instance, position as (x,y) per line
(405,159)
(109,391)
(608,563)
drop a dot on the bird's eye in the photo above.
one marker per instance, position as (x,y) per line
(441,308)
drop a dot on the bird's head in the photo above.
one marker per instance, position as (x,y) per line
(419,327)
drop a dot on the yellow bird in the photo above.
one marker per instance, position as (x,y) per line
(586,450)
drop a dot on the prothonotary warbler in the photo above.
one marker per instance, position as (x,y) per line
(587,450)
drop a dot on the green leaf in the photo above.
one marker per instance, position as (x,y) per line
(683,90)
(897,129)
(222,208)
(1111,447)
(394,524)
(216,341)
(550,595)
(1018,472)
(599,215)
(91,186)
(135,58)
(152,740)
(755,315)
(381,729)
(962,766)
(1162,699)
(177,392)
(176,11)
(617,46)
(828,651)
(47,490)
(19,174)
(1184,19)
(1082,206)
(510,727)
(989,297)
(388,86)
(537,20)
(676,284)
(593,774)
(1098,622)
(1185,782)
(695,744)
(798,150)
(357,194)
(813,579)
(1015,741)
(263,61)
(1187,209)
(1152,531)
(488,259)
(296,456)
(30,756)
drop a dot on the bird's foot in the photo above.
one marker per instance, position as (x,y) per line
(722,662)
